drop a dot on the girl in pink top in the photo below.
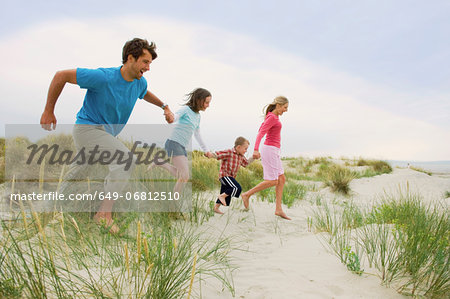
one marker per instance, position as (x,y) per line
(270,154)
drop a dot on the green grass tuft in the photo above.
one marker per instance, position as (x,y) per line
(338,178)
(421,170)
(407,241)
(378,166)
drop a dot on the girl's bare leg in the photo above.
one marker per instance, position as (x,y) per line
(167,166)
(279,196)
(182,172)
(261,186)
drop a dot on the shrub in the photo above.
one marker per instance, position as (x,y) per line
(378,166)
(321,160)
(2,146)
(205,172)
(338,178)
(247,178)
(257,169)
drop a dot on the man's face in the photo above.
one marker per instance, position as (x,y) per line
(141,65)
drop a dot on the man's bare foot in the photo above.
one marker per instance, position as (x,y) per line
(245,199)
(106,222)
(216,210)
(282,215)
(222,200)
(151,166)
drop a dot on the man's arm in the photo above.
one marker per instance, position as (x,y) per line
(151,98)
(56,86)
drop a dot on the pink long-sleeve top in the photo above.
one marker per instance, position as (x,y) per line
(272,127)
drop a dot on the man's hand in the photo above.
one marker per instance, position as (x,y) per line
(256,155)
(47,120)
(169,115)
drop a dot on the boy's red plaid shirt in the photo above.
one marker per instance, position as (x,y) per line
(231,161)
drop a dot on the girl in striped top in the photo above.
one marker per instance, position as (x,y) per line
(187,124)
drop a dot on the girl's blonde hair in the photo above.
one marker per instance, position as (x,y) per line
(280,100)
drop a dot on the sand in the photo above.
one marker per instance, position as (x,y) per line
(276,258)
(284,259)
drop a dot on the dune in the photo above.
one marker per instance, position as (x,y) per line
(276,258)
(285,259)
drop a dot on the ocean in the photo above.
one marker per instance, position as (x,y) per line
(432,166)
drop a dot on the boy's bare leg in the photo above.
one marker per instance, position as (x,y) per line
(222,198)
(216,208)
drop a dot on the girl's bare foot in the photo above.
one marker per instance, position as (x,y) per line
(282,215)
(245,199)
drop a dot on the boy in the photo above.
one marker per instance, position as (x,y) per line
(232,159)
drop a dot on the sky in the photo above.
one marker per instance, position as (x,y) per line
(364,78)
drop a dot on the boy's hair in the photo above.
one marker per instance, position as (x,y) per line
(197,98)
(240,141)
(136,48)
(278,100)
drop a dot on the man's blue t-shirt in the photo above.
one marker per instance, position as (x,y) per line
(109,99)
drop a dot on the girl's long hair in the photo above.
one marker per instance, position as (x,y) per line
(196,99)
(278,100)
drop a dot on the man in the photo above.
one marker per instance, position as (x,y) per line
(108,103)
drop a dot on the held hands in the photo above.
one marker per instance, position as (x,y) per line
(169,115)
(209,155)
(47,120)
(256,155)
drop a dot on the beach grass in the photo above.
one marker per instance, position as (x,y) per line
(205,172)
(2,160)
(378,166)
(332,174)
(338,178)
(66,255)
(405,240)
(161,255)
(72,257)
(421,170)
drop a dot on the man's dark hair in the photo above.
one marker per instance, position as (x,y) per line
(136,48)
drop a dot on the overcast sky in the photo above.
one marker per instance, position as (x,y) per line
(364,78)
